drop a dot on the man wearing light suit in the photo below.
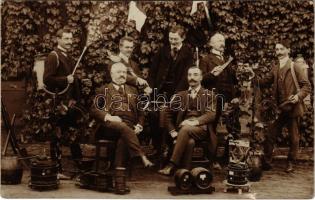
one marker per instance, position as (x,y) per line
(195,112)
(115,107)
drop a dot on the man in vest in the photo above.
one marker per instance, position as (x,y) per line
(290,87)
(115,107)
(57,75)
(195,113)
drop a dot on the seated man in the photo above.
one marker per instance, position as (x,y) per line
(115,106)
(195,109)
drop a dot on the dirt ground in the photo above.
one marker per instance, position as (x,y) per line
(146,183)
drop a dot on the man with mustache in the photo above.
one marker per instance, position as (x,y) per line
(223,80)
(57,75)
(115,107)
(195,111)
(289,96)
(168,72)
(134,77)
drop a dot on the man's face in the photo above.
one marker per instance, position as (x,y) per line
(175,39)
(194,77)
(119,73)
(218,44)
(281,51)
(65,41)
(126,48)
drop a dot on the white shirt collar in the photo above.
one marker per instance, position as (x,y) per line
(63,50)
(178,48)
(124,57)
(283,61)
(216,52)
(196,89)
(117,86)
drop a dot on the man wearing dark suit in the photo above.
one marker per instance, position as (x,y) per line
(223,81)
(115,106)
(57,75)
(290,99)
(195,111)
(168,72)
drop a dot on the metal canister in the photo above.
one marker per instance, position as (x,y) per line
(120,180)
(237,174)
(202,177)
(183,179)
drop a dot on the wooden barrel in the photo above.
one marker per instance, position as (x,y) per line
(202,177)
(11,171)
(120,180)
(44,175)
(183,179)
(237,174)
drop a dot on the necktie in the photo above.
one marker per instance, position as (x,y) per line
(193,94)
(174,52)
(121,90)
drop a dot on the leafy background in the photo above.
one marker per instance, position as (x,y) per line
(28,28)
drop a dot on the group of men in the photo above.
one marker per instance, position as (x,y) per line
(192,112)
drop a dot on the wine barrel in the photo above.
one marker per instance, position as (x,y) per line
(44,175)
(183,179)
(11,171)
(202,177)
(237,174)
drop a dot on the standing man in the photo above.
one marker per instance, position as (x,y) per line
(223,80)
(168,74)
(57,76)
(134,75)
(195,111)
(115,106)
(289,95)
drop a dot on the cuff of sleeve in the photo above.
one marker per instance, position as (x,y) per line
(106,117)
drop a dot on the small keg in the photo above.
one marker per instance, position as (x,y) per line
(183,179)
(202,177)
(44,175)
(120,180)
(237,174)
(11,171)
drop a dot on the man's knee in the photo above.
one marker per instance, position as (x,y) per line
(191,142)
(185,130)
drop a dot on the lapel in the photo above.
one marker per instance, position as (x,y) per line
(180,55)
(287,68)
(66,61)
(217,61)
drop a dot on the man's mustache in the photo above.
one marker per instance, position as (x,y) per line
(192,81)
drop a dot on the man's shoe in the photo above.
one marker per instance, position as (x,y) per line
(61,176)
(289,167)
(168,170)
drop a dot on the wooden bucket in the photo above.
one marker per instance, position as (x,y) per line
(183,179)
(11,171)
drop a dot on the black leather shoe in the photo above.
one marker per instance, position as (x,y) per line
(289,167)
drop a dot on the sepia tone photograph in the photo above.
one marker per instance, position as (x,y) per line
(157,99)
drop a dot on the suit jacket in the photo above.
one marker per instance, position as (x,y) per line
(161,64)
(179,106)
(288,86)
(108,91)
(56,72)
(224,83)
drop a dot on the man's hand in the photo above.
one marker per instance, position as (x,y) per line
(148,90)
(138,129)
(217,70)
(190,122)
(71,103)
(174,134)
(70,78)
(111,118)
(141,82)
(294,98)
